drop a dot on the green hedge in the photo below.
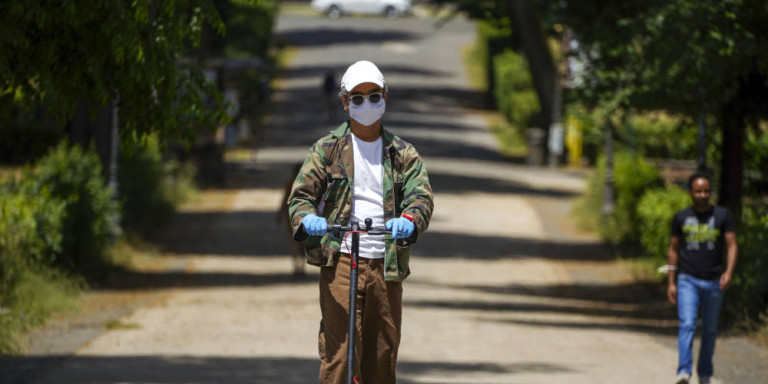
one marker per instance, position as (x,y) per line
(58,219)
(492,40)
(56,223)
(515,96)
(508,76)
(632,177)
(74,177)
(655,210)
(660,135)
(755,171)
(746,301)
(150,186)
(30,235)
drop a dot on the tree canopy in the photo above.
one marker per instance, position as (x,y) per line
(694,57)
(681,55)
(55,55)
(656,54)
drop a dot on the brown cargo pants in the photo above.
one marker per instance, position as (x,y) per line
(379,315)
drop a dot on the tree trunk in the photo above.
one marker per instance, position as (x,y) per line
(701,144)
(79,129)
(528,30)
(100,130)
(732,161)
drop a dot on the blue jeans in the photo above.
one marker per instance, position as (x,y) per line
(692,294)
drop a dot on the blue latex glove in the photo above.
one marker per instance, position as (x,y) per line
(401,227)
(314,225)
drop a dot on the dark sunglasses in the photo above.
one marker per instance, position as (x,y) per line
(374,98)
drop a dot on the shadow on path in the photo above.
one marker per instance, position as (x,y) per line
(318,71)
(322,36)
(137,281)
(484,247)
(242,234)
(238,233)
(446,183)
(217,370)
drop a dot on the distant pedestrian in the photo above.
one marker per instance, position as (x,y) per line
(330,95)
(358,171)
(296,248)
(700,234)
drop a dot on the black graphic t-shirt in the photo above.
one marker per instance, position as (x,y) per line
(701,240)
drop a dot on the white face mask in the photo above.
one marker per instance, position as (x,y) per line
(367,113)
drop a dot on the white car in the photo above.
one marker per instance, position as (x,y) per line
(335,8)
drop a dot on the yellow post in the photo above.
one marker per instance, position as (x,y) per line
(573,139)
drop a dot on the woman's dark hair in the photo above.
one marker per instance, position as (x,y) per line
(698,175)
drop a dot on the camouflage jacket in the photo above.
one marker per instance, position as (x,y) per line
(327,177)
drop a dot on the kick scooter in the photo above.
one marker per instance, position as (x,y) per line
(354,229)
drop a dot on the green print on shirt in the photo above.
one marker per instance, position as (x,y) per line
(699,233)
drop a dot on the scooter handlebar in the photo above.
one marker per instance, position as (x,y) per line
(337,229)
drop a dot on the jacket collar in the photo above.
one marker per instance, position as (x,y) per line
(345,130)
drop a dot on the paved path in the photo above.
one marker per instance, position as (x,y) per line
(503,290)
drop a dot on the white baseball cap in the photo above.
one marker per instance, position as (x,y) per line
(361,72)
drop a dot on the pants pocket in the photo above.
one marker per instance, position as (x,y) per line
(321,348)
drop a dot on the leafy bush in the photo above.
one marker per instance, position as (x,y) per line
(515,96)
(632,177)
(755,155)
(72,177)
(649,134)
(655,210)
(58,219)
(30,235)
(150,186)
(660,135)
(492,39)
(54,221)
(747,299)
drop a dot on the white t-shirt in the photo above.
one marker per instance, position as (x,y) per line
(367,200)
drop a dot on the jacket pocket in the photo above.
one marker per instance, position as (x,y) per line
(403,259)
(335,194)
(313,251)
